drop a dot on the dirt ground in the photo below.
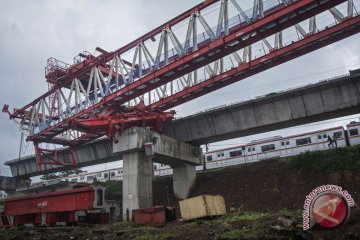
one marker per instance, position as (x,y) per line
(264,201)
(283,224)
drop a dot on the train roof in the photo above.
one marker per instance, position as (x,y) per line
(353,124)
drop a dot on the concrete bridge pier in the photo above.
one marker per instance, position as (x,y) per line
(137,182)
(13,183)
(138,168)
(184,178)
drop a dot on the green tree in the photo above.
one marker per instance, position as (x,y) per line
(61,174)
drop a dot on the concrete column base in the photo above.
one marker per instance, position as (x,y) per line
(184,178)
(137,182)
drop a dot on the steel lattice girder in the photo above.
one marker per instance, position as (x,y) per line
(278,20)
(85,67)
(311,43)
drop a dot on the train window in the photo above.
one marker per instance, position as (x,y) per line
(98,175)
(155,167)
(88,178)
(253,149)
(303,141)
(106,175)
(209,158)
(222,154)
(337,134)
(268,147)
(118,171)
(249,149)
(112,174)
(74,180)
(82,178)
(218,155)
(243,148)
(354,132)
(287,143)
(236,153)
(324,136)
(282,143)
(319,136)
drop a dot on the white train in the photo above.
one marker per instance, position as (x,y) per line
(275,147)
(105,175)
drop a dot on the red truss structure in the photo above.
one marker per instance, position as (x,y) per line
(133,85)
(112,121)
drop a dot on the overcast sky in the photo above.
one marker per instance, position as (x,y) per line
(31,31)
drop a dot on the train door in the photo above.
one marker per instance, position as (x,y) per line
(314,147)
(220,159)
(321,140)
(250,154)
(247,154)
(283,148)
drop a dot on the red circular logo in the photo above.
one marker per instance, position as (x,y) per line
(330,210)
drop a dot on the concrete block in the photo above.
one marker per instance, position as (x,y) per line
(281,111)
(313,103)
(297,107)
(224,122)
(187,124)
(332,99)
(264,114)
(202,206)
(206,126)
(244,118)
(350,94)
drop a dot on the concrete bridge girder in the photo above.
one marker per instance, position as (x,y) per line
(12,183)
(313,103)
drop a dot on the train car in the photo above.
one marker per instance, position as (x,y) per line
(102,176)
(162,169)
(276,147)
(166,170)
(353,130)
(84,204)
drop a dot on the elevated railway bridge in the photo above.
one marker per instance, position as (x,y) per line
(119,94)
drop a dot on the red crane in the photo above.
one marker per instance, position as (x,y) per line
(136,84)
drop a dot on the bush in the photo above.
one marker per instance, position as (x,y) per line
(113,189)
(338,159)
